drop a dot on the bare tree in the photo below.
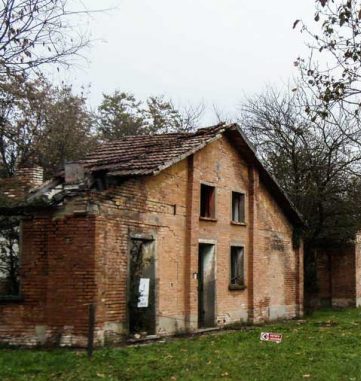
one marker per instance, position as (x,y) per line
(316,164)
(220,115)
(191,116)
(314,161)
(37,32)
(332,71)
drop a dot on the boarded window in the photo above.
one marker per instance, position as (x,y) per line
(208,201)
(238,214)
(237,266)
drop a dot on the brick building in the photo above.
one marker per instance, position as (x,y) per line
(164,234)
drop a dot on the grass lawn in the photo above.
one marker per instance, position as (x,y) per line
(326,347)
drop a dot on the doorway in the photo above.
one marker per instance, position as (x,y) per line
(206,285)
(141,296)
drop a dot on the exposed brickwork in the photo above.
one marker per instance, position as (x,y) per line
(57,283)
(32,176)
(14,190)
(276,263)
(79,254)
(338,277)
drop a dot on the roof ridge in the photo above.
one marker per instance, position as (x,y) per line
(199,131)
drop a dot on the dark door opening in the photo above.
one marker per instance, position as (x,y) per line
(141,303)
(206,286)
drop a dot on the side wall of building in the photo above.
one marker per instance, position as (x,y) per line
(278,265)
(57,283)
(152,207)
(274,269)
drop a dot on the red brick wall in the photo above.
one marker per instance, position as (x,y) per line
(336,277)
(277,265)
(71,283)
(220,165)
(17,321)
(57,283)
(111,276)
(144,206)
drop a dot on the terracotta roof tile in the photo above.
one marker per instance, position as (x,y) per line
(141,155)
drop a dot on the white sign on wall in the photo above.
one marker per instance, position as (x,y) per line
(143,300)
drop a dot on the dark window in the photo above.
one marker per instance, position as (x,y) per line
(238,207)
(9,257)
(237,266)
(207,201)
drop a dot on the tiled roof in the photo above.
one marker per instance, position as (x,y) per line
(144,155)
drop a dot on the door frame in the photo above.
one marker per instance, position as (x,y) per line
(148,237)
(213,243)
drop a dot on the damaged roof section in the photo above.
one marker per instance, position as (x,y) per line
(146,155)
(149,154)
(130,156)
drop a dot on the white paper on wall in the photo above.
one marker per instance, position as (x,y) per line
(143,300)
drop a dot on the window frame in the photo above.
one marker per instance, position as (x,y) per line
(243,220)
(16,297)
(237,285)
(212,208)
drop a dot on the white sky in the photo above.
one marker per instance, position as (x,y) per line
(211,51)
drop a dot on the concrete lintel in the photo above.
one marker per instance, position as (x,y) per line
(207,241)
(142,236)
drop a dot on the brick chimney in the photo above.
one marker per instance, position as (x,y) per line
(32,176)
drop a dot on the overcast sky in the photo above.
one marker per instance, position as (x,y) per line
(211,51)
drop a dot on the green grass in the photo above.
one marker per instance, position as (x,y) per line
(326,347)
